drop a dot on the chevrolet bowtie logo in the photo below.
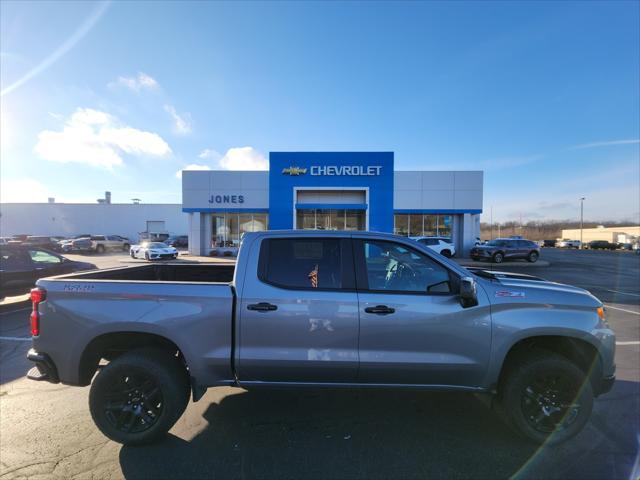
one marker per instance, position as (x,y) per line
(294,171)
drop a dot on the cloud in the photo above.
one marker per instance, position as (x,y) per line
(97,139)
(610,143)
(243,158)
(209,153)
(182,124)
(136,84)
(23,190)
(193,166)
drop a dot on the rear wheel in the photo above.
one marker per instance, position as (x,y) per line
(126,247)
(546,397)
(446,253)
(532,257)
(100,249)
(498,257)
(139,396)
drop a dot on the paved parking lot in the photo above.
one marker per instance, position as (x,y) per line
(46,430)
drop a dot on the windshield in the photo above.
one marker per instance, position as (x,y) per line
(157,245)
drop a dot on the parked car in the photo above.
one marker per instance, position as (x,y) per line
(153,251)
(19,238)
(442,245)
(178,241)
(4,240)
(76,245)
(324,309)
(22,265)
(566,243)
(103,243)
(502,249)
(625,245)
(48,243)
(547,243)
(602,245)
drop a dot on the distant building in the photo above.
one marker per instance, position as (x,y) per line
(610,234)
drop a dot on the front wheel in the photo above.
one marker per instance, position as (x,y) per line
(126,247)
(532,257)
(146,256)
(498,257)
(139,396)
(547,398)
(446,253)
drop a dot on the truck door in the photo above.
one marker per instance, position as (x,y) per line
(299,317)
(413,329)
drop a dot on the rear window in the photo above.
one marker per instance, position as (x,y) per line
(307,263)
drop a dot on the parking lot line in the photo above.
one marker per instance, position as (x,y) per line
(622,309)
(634,342)
(16,339)
(621,293)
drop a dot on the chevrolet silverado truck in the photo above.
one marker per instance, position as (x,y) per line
(321,309)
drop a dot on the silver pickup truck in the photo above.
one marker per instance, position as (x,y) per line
(321,309)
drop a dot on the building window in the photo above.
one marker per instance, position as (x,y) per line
(422,225)
(330,219)
(228,228)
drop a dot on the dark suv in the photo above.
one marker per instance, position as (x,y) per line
(601,245)
(502,249)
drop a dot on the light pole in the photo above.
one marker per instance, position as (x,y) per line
(581,219)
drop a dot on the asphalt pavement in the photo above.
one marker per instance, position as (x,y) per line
(46,430)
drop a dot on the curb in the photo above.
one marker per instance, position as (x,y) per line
(464,262)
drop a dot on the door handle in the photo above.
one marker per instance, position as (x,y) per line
(262,307)
(380,310)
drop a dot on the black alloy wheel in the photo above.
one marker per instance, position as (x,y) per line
(134,403)
(548,403)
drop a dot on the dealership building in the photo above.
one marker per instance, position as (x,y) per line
(330,191)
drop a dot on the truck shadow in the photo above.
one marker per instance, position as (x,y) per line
(356,434)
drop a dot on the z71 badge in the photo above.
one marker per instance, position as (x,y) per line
(509,293)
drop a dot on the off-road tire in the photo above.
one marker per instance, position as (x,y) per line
(524,371)
(166,372)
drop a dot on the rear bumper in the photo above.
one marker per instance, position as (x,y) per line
(44,370)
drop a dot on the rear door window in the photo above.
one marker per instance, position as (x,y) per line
(11,261)
(306,263)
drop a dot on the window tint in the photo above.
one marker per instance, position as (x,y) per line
(303,262)
(393,267)
(97,237)
(40,256)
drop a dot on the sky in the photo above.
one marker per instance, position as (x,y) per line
(544,97)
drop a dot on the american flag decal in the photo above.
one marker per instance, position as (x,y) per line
(313,276)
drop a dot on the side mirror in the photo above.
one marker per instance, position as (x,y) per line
(468,292)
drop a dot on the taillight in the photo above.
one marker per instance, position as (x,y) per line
(37,295)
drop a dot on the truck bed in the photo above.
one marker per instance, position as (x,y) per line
(168,272)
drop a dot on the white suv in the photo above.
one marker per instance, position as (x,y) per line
(442,245)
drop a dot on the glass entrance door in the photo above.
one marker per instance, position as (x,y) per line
(331,219)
